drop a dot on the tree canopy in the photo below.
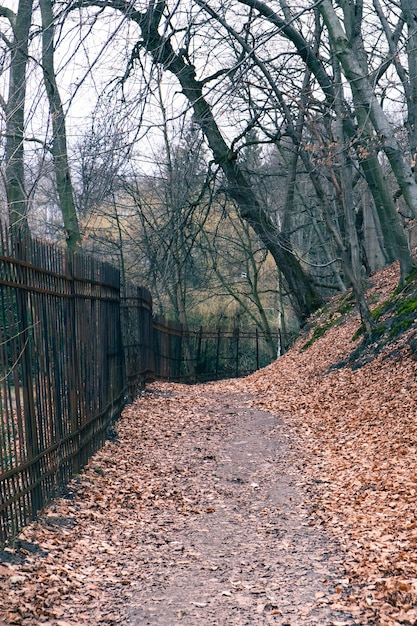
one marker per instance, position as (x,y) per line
(303,113)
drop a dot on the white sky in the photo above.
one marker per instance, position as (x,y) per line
(83,47)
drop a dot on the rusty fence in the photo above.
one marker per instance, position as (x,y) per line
(157,348)
(73,351)
(199,355)
(61,371)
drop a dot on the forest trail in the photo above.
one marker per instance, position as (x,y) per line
(194,515)
(288,498)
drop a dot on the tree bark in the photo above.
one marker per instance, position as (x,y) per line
(59,140)
(366,98)
(15,116)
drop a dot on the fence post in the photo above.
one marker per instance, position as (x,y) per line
(217,353)
(257,348)
(29,413)
(116,381)
(197,363)
(74,380)
(236,334)
(142,334)
(181,358)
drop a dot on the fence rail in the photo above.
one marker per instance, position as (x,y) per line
(73,351)
(208,354)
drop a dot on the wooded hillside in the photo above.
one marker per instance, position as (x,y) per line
(288,497)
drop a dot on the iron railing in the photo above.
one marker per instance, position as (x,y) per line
(73,351)
(61,370)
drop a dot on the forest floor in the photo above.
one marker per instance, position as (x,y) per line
(288,497)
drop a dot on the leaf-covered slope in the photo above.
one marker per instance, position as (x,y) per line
(357,443)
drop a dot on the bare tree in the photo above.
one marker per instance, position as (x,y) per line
(363,141)
(160,48)
(171,211)
(59,148)
(242,271)
(236,67)
(18,48)
(365,98)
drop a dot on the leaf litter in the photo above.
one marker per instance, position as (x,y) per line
(288,497)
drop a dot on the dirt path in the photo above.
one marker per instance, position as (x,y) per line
(195,515)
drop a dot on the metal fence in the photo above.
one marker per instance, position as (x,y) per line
(72,353)
(61,371)
(201,355)
(157,348)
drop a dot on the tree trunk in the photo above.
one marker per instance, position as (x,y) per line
(365,97)
(15,114)
(410,14)
(304,295)
(351,251)
(59,140)
(372,234)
